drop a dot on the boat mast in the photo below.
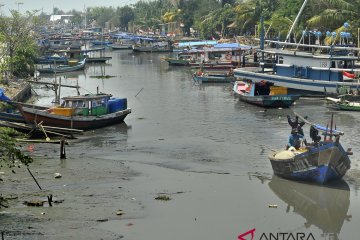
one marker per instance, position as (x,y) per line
(296,20)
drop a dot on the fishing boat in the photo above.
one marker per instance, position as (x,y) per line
(52,59)
(122,41)
(63,68)
(318,71)
(264,94)
(179,60)
(320,162)
(154,47)
(100,43)
(38,130)
(346,102)
(324,207)
(81,112)
(305,72)
(219,56)
(120,46)
(209,77)
(97,59)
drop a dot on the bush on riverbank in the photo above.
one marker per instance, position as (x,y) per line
(10,154)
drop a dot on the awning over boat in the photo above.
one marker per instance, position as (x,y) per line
(232,45)
(198,43)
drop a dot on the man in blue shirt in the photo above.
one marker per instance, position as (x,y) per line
(294,139)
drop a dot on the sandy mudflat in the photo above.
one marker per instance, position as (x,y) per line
(207,201)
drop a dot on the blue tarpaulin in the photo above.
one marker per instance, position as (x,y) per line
(3,97)
(231,45)
(198,43)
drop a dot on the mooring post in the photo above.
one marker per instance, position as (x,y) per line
(50,200)
(48,197)
(62,149)
(2,236)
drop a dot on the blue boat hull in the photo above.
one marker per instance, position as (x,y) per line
(320,164)
(321,175)
(12,117)
(300,84)
(213,79)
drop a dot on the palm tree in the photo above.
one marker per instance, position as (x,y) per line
(333,16)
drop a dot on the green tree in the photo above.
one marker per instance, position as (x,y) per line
(216,22)
(125,15)
(10,155)
(77,18)
(17,35)
(101,15)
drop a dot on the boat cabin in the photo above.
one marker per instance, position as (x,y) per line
(262,88)
(310,66)
(84,105)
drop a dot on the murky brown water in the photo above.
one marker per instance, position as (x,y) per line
(202,147)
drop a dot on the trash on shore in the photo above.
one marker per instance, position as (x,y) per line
(34,203)
(57,175)
(273,205)
(163,198)
(102,220)
(119,212)
(103,76)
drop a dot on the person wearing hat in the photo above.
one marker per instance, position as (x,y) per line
(294,139)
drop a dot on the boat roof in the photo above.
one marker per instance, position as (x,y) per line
(87,97)
(197,43)
(211,49)
(232,45)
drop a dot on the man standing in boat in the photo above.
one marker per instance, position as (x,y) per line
(296,124)
(294,139)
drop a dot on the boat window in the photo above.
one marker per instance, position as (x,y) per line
(281,60)
(333,64)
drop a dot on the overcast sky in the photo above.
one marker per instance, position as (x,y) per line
(66,5)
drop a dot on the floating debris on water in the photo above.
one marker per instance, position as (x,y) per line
(34,203)
(163,198)
(102,76)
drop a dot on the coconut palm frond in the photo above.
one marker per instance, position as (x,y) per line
(328,17)
(340,4)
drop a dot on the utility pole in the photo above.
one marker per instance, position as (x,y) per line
(85,17)
(19,3)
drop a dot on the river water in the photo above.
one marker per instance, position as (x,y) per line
(208,151)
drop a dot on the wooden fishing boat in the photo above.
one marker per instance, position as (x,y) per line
(212,65)
(64,68)
(346,102)
(264,94)
(120,46)
(209,77)
(12,117)
(38,130)
(97,59)
(51,60)
(180,60)
(320,162)
(100,43)
(81,112)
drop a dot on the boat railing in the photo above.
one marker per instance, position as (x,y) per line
(319,68)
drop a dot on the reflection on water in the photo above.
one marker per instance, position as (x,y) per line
(325,207)
(111,137)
